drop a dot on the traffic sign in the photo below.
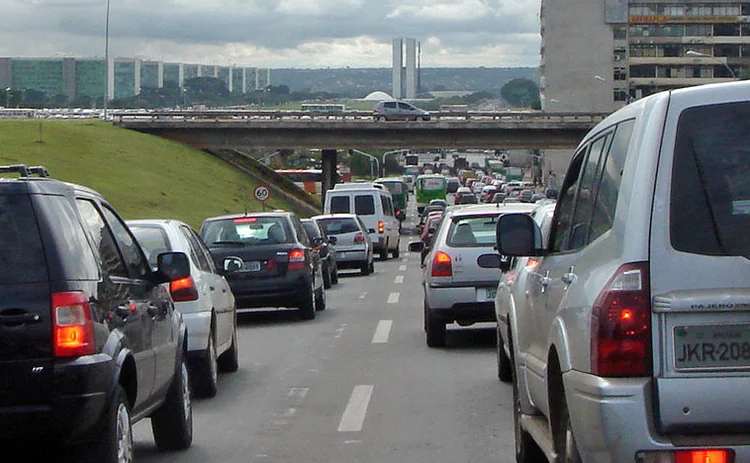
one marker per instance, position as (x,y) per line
(261,193)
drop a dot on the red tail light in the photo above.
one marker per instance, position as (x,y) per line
(73,328)
(381,226)
(359,238)
(296,259)
(183,290)
(271,264)
(704,456)
(441,265)
(621,324)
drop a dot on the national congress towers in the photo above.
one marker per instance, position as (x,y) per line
(406,65)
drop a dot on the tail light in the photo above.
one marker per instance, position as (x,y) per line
(73,328)
(359,238)
(296,259)
(183,290)
(271,264)
(441,265)
(703,456)
(381,226)
(621,324)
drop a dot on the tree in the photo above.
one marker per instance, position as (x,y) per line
(521,92)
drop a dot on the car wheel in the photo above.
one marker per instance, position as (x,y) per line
(565,440)
(396,252)
(229,361)
(365,268)
(206,372)
(320,299)
(116,444)
(172,423)
(424,118)
(307,308)
(372,266)
(379,118)
(435,330)
(504,368)
(384,252)
(326,277)
(335,275)
(526,449)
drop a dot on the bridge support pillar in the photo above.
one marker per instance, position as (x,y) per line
(329,157)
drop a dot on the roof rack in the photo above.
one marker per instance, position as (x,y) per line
(25,171)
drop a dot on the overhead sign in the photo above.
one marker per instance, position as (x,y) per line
(261,193)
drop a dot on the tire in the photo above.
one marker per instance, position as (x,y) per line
(172,423)
(335,275)
(320,299)
(365,268)
(372,267)
(205,377)
(307,308)
(228,362)
(384,252)
(397,252)
(504,367)
(526,449)
(379,118)
(116,441)
(565,441)
(326,277)
(435,330)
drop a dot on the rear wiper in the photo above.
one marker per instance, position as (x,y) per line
(231,243)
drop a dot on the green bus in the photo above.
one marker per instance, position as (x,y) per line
(429,187)
(398,190)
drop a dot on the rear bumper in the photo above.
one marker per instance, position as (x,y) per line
(461,303)
(603,410)
(288,291)
(77,401)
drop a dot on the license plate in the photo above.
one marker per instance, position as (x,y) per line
(712,346)
(486,294)
(252,266)
(340,255)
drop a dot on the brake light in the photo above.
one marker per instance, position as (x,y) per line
(296,259)
(183,290)
(246,220)
(271,264)
(621,324)
(359,238)
(703,456)
(381,226)
(441,265)
(531,264)
(73,328)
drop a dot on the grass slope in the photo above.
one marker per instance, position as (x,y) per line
(143,176)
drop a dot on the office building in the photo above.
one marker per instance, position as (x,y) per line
(68,79)
(596,55)
(405,70)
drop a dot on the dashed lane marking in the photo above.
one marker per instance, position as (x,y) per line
(393,298)
(399,279)
(382,332)
(356,410)
(363,295)
(402,267)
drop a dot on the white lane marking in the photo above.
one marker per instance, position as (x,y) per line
(405,259)
(288,413)
(298,393)
(340,330)
(354,415)
(393,298)
(402,267)
(399,279)
(363,295)
(382,332)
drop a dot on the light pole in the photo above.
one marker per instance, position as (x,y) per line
(705,55)
(106,61)
(372,158)
(7,97)
(384,156)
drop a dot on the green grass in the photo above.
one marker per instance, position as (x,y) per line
(143,176)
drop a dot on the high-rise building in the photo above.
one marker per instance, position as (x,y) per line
(398,64)
(596,55)
(405,72)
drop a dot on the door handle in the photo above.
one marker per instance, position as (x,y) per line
(212,288)
(124,310)
(154,311)
(546,280)
(569,278)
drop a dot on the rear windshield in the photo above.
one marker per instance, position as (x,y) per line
(22,258)
(340,205)
(339,226)
(248,231)
(472,231)
(710,203)
(364,205)
(395,188)
(312,230)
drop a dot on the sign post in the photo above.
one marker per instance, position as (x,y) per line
(262,193)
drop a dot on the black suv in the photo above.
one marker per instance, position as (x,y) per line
(324,245)
(90,342)
(268,260)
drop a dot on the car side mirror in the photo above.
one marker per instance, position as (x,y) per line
(401,215)
(231,264)
(416,246)
(420,209)
(332,240)
(518,235)
(317,241)
(171,266)
(370,230)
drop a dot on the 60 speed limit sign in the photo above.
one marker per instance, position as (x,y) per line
(261,193)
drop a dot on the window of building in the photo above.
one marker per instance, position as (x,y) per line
(698,30)
(699,10)
(643,70)
(672,50)
(745,9)
(620,54)
(732,50)
(745,30)
(621,74)
(726,30)
(647,51)
(673,11)
(619,33)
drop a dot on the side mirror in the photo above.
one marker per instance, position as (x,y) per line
(332,240)
(416,246)
(370,230)
(401,215)
(231,264)
(317,241)
(171,266)
(420,209)
(490,260)
(517,235)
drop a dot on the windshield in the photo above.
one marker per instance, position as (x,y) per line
(247,231)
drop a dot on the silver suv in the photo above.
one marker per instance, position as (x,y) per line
(399,111)
(630,333)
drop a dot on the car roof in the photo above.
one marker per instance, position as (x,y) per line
(481,209)
(335,216)
(250,214)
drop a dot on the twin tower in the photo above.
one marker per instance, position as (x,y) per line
(406,71)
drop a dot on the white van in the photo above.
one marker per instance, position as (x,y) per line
(374,205)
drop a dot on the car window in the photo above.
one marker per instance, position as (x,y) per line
(22,258)
(109,256)
(340,205)
(248,231)
(564,211)
(406,107)
(390,105)
(153,241)
(710,202)
(364,205)
(472,231)
(339,226)
(131,252)
(196,250)
(302,235)
(311,229)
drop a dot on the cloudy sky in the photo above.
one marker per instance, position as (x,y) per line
(277,33)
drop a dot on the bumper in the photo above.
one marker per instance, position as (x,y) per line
(288,291)
(77,400)
(198,330)
(347,258)
(613,420)
(465,304)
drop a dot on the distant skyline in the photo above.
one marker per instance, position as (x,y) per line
(277,33)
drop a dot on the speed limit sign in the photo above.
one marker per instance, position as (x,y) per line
(261,193)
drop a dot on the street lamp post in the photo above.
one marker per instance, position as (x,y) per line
(7,97)
(106,61)
(705,55)
(372,159)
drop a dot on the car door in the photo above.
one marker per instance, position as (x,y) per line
(126,293)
